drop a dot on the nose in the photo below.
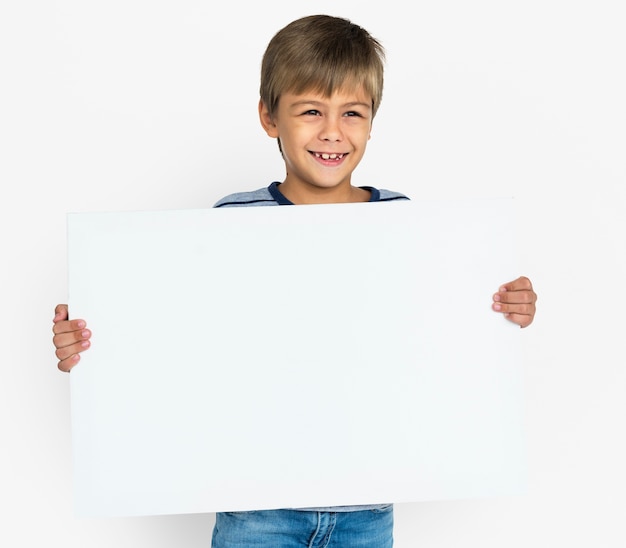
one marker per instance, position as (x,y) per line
(331,130)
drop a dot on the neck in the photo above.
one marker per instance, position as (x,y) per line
(319,195)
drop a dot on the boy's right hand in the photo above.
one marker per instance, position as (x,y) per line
(70,338)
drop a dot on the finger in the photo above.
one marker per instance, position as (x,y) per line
(60,313)
(64,352)
(70,338)
(522,315)
(520,284)
(522,320)
(67,326)
(69,345)
(526,309)
(516,297)
(63,340)
(67,364)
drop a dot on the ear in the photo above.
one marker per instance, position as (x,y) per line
(266,120)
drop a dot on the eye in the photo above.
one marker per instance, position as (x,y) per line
(311,112)
(353,113)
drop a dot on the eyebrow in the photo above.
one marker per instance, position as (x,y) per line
(320,103)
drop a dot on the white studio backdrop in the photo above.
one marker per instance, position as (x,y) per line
(149,105)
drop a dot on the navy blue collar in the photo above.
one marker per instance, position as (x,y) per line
(281,200)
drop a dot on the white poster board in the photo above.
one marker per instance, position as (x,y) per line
(273,357)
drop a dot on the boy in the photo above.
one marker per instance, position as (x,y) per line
(321,85)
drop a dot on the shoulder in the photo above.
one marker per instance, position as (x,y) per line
(384,195)
(390,195)
(260,197)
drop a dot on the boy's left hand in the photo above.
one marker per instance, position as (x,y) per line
(516,300)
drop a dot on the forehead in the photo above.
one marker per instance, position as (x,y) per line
(345,95)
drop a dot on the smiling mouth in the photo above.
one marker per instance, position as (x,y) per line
(328,156)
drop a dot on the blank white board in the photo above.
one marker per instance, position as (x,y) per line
(287,357)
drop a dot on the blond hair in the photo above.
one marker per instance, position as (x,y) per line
(324,54)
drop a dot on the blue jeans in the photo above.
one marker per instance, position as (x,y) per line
(304,529)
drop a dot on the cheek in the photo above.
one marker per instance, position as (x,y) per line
(362,134)
(365,139)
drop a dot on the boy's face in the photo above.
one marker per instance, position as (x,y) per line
(323,140)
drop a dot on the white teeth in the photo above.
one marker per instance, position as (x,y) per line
(326,156)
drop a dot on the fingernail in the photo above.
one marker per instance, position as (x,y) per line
(497,307)
(85,344)
(85,334)
(496,297)
(81,324)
